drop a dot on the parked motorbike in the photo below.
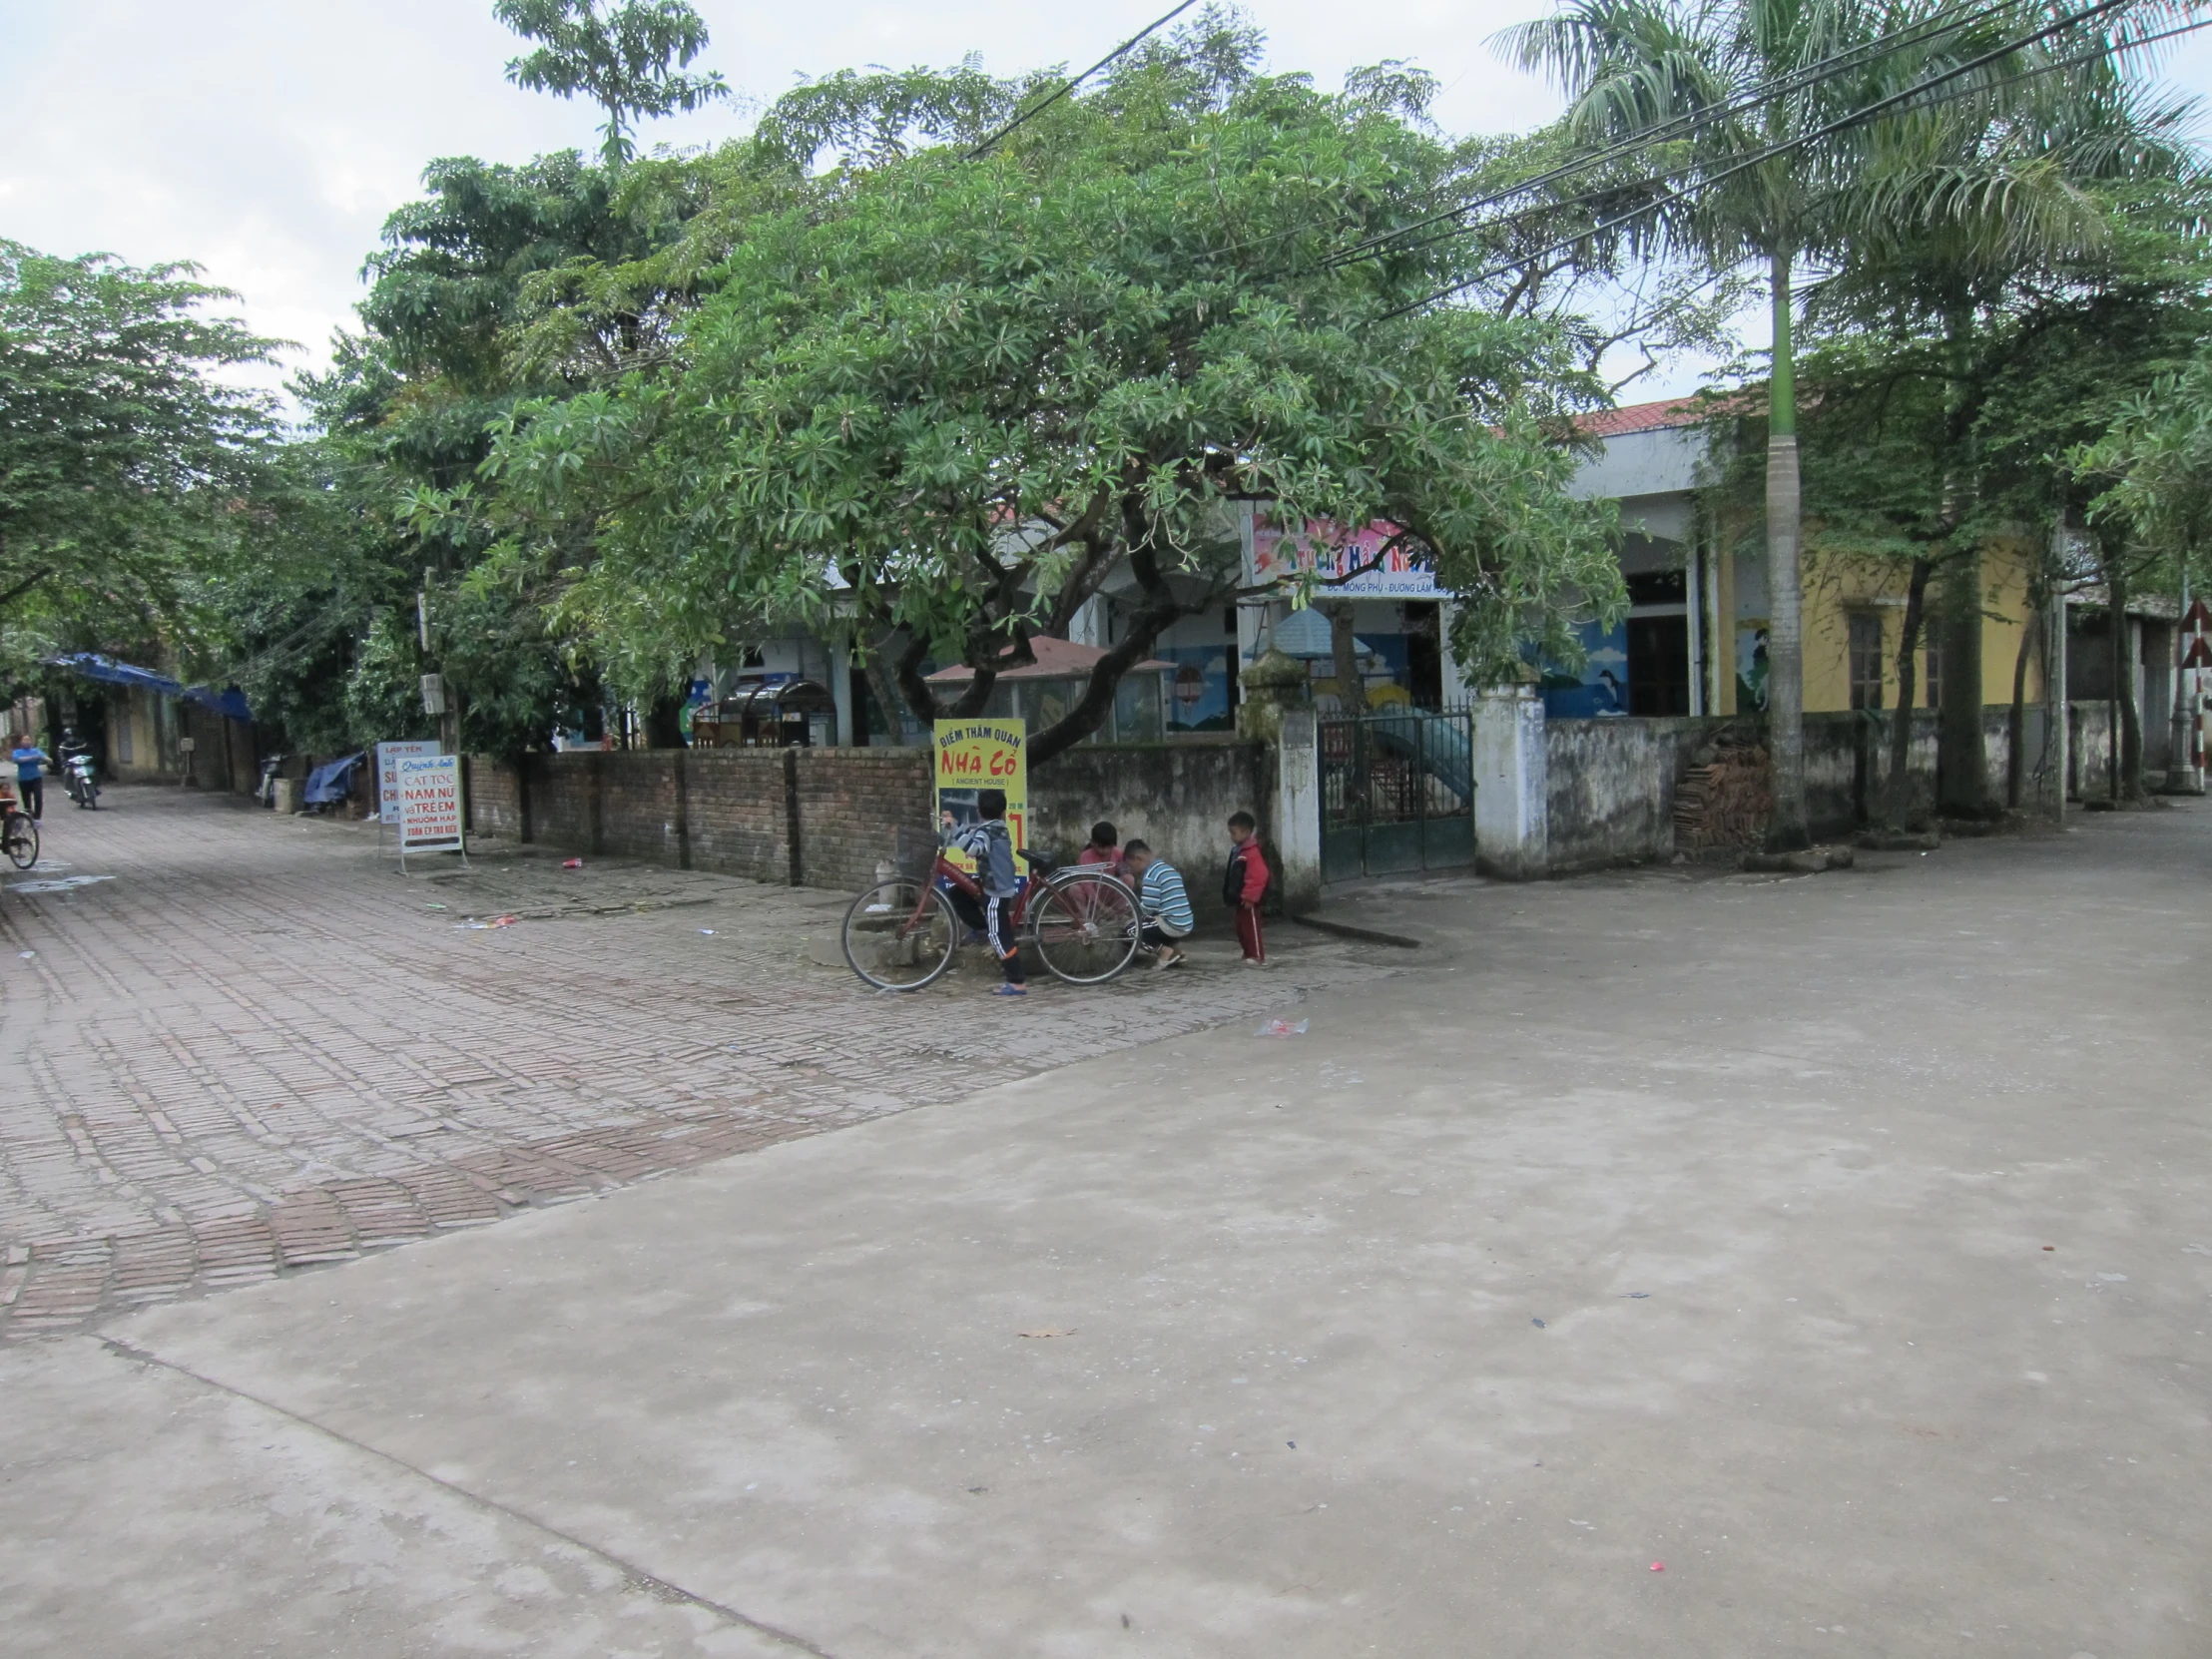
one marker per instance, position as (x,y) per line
(79,779)
(272,766)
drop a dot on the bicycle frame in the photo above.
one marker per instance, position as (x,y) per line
(946,870)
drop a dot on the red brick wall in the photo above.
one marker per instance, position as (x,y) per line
(492,797)
(852,805)
(733,813)
(735,800)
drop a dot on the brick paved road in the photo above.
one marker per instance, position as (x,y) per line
(247,1045)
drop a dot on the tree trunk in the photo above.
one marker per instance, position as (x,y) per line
(2128,737)
(883,690)
(1344,651)
(1897,793)
(2118,696)
(1787,830)
(1963,759)
(2015,719)
(664,722)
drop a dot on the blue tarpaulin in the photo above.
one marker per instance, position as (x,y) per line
(333,780)
(230,702)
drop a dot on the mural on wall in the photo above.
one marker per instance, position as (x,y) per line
(1278,553)
(1601,691)
(1197,694)
(1751,667)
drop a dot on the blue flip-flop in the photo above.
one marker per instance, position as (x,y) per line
(1010,990)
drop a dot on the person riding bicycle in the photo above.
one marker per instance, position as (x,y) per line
(992,846)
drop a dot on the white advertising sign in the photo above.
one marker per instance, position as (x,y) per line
(387,773)
(429,803)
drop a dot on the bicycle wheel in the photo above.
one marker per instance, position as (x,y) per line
(21,837)
(899,935)
(1084,925)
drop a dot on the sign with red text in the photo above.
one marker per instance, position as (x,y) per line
(388,755)
(979,754)
(429,803)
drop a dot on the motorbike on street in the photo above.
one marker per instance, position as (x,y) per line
(79,777)
(273,766)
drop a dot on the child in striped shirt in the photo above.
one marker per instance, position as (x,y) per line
(1164,904)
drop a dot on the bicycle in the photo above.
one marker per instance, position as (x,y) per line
(899,935)
(19,837)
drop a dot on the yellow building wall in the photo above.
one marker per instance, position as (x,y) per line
(1837,586)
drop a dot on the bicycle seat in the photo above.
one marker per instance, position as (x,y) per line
(1037,860)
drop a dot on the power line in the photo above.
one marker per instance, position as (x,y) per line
(1840,123)
(1069,86)
(1798,80)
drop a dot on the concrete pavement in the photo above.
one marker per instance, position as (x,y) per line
(1658,1270)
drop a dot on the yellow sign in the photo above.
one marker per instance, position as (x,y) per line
(979,754)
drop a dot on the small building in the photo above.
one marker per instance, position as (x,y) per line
(1042,691)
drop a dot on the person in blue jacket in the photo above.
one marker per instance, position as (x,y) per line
(29,782)
(992,846)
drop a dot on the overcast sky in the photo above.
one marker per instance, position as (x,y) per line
(268,139)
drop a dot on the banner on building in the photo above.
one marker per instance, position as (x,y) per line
(429,804)
(979,754)
(1369,561)
(388,755)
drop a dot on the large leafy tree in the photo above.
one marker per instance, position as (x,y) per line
(1759,101)
(632,58)
(942,400)
(493,289)
(1925,442)
(124,448)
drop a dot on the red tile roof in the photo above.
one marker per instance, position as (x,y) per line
(1641,417)
(1056,660)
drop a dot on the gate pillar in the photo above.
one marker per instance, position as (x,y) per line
(1298,810)
(1512,784)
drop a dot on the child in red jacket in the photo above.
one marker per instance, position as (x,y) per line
(1243,884)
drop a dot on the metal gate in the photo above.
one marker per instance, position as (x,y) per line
(1397,792)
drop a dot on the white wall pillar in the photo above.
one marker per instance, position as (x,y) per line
(1512,784)
(1298,810)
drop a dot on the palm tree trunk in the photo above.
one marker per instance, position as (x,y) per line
(2121,694)
(1897,794)
(2015,719)
(1962,764)
(1787,830)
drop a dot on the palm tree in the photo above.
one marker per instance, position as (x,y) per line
(1964,211)
(1783,175)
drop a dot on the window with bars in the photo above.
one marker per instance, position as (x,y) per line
(1866,662)
(1934,676)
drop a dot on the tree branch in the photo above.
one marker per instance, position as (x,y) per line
(23,587)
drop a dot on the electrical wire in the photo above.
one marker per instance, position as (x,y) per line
(1069,86)
(1840,123)
(1811,75)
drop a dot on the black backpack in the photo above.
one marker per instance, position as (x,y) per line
(1233,879)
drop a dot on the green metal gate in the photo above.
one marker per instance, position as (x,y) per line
(1397,792)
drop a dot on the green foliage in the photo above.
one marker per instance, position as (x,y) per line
(2155,465)
(503,283)
(628,58)
(941,402)
(122,455)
